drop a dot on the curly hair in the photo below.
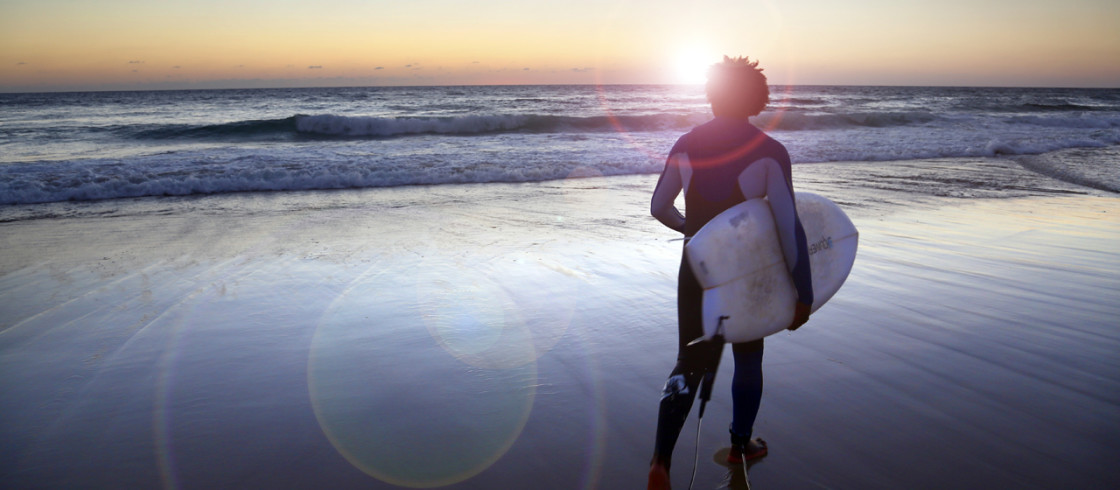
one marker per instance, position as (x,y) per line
(737,88)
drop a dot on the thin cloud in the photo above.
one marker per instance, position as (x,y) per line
(315,67)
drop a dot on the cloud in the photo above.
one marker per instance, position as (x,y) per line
(582,70)
(525,69)
(135,62)
(21,63)
(379,68)
(315,67)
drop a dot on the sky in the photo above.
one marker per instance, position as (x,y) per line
(48,45)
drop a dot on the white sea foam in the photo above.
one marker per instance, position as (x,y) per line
(247,170)
(209,172)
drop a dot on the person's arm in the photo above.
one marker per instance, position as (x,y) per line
(765,177)
(669,186)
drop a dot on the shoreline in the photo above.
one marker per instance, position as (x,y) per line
(261,338)
(1074,170)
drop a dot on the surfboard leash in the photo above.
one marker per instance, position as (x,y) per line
(706,383)
(705,394)
(696,456)
(746,474)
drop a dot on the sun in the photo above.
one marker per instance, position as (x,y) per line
(690,65)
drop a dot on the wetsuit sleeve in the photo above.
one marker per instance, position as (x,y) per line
(767,177)
(801,271)
(802,274)
(669,186)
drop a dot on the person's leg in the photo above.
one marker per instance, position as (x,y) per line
(676,401)
(746,389)
(683,383)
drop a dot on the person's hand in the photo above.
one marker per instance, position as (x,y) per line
(800,315)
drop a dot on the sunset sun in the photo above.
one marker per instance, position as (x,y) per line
(690,66)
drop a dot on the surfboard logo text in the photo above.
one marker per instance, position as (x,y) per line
(824,243)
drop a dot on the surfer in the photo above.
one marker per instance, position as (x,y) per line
(718,165)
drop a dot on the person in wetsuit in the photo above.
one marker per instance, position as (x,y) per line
(718,165)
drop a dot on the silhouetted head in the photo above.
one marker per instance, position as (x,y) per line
(737,88)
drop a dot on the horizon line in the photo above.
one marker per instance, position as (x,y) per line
(69,90)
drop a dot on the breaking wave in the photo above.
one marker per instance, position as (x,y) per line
(328,126)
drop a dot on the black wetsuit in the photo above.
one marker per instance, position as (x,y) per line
(718,153)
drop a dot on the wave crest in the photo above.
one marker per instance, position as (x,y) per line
(331,126)
(328,126)
(350,126)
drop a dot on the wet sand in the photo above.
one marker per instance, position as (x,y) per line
(517,336)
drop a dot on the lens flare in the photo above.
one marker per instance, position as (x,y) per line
(414,408)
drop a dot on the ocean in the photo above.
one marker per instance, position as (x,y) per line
(463,288)
(109,145)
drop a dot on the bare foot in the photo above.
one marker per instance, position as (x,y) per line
(658,477)
(754,449)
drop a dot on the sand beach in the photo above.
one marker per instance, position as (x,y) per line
(517,336)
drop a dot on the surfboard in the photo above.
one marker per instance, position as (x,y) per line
(737,259)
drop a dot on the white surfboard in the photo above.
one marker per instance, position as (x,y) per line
(737,258)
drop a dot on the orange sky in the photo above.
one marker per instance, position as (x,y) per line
(132,44)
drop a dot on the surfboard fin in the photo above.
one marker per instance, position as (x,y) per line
(717,336)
